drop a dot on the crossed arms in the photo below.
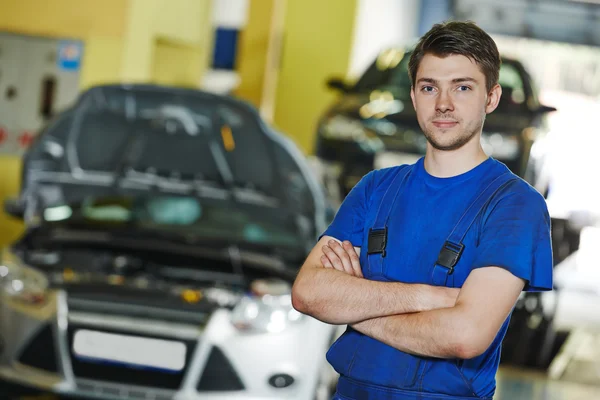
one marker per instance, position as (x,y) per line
(414,318)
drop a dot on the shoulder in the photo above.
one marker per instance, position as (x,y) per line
(372,186)
(383,178)
(519,199)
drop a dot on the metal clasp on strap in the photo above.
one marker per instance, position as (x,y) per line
(377,241)
(449,255)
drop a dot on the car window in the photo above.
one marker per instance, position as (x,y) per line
(388,71)
(99,140)
(512,83)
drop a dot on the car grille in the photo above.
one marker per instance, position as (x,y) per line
(40,352)
(108,372)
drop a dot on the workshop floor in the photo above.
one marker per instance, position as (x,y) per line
(513,384)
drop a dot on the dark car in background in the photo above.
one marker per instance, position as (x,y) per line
(373,124)
(164,229)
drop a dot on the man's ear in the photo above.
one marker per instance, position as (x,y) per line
(493,98)
(412,96)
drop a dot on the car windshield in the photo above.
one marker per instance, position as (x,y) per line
(174,134)
(186,216)
(389,72)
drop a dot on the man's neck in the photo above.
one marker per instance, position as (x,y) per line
(446,164)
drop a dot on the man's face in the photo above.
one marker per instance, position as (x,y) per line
(451,100)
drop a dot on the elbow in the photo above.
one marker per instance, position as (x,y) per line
(470,344)
(298,302)
(300,297)
(466,351)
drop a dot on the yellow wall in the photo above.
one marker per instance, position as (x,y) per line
(120,35)
(64,18)
(317,43)
(101,62)
(10,166)
(175,64)
(100,24)
(252,51)
(172,27)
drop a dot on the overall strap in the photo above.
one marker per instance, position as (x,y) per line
(453,247)
(378,234)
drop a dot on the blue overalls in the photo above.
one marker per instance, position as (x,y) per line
(397,375)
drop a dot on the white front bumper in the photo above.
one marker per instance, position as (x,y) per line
(299,351)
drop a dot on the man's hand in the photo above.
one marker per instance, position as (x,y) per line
(345,259)
(342,257)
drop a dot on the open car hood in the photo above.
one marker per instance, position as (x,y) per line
(118,139)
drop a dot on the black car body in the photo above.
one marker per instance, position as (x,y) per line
(373,124)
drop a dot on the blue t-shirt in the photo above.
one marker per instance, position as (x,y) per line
(512,232)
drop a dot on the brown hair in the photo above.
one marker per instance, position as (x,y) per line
(458,38)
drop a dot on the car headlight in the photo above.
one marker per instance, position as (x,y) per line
(500,146)
(21,282)
(267,309)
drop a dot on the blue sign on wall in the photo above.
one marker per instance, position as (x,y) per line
(69,55)
(225,50)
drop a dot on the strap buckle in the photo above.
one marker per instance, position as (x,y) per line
(449,255)
(377,241)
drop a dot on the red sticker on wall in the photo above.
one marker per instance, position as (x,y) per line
(25,139)
(3,135)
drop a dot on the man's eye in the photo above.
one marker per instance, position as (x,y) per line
(464,88)
(427,89)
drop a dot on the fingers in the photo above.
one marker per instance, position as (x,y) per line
(326,263)
(341,252)
(333,257)
(354,259)
(342,257)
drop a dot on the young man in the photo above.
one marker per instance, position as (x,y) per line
(425,262)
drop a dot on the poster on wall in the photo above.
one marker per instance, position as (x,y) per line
(69,55)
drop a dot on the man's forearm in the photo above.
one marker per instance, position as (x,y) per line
(442,333)
(339,298)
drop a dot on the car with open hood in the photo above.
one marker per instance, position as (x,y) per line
(373,123)
(164,229)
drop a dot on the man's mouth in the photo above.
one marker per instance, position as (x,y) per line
(444,123)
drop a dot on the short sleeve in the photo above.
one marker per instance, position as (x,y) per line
(349,220)
(516,236)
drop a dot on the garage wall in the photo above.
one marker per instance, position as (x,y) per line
(64,18)
(253,51)
(381,24)
(179,27)
(100,24)
(102,58)
(575,22)
(317,43)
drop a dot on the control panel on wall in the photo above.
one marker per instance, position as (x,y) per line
(38,78)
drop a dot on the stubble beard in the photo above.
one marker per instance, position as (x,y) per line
(461,138)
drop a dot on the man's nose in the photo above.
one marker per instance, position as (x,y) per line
(444,102)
